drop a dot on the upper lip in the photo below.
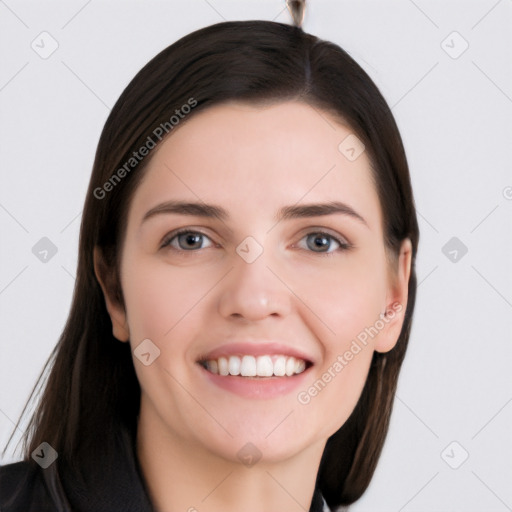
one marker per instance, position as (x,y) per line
(255,348)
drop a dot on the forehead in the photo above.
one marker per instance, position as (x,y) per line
(240,154)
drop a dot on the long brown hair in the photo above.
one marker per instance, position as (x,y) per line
(91,390)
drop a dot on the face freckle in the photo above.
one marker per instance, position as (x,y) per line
(281,241)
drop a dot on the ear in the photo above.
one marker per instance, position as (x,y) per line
(115,309)
(396,302)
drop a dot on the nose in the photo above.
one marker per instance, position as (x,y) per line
(253,291)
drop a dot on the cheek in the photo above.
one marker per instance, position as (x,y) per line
(333,394)
(165,304)
(346,296)
(345,304)
(160,298)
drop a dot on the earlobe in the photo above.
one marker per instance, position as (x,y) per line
(397,300)
(115,310)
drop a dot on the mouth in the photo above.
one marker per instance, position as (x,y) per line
(256,367)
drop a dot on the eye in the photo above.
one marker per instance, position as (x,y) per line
(186,240)
(324,243)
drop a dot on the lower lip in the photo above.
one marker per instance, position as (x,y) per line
(249,387)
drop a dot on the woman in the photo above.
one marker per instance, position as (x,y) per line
(244,293)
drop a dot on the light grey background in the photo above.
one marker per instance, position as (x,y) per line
(455,115)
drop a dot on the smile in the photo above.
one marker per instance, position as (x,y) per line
(255,366)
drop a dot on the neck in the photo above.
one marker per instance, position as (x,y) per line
(181,475)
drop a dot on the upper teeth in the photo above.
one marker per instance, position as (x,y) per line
(261,366)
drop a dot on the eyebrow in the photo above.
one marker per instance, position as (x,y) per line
(285,213)
(318,210)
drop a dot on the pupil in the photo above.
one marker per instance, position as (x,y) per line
(321,242)
(192,240)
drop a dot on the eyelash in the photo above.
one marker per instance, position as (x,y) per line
(343,245)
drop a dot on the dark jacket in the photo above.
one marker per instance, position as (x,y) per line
(27,487)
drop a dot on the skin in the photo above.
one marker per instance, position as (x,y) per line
(252,161)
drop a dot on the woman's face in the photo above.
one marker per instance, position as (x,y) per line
(283,255)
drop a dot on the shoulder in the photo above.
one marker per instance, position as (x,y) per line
(23,488)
